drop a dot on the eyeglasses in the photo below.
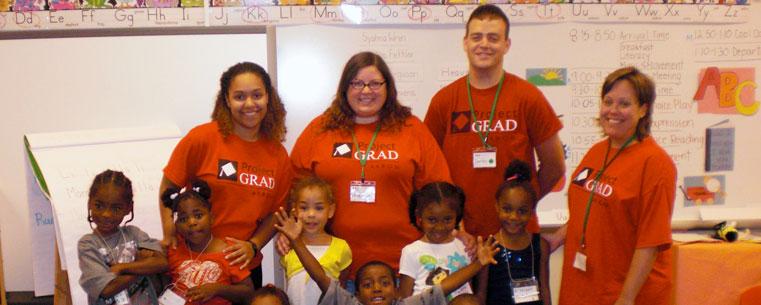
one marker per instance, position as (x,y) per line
(360,85)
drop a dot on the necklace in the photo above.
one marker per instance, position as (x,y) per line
(507,260)
(503,239)
(112,252)
(190,252)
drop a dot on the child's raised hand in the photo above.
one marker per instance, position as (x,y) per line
(290,225)
(486,250)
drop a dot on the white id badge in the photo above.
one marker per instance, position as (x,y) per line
(484,157)
(525,290)
(580,261)
(362,191)
(169,297)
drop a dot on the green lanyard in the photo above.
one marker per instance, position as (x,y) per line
(363,160)
(597,178)
(493,107)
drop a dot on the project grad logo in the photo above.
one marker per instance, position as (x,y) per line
(461,122)
(585,180)
(342,150)
(227,170)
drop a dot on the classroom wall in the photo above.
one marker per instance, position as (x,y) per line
(423,59)
(427,57)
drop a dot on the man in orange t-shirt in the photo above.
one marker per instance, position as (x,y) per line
(523,123)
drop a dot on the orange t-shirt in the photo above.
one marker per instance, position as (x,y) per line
(248,180)
(523,119)
(401,161)
(631,209)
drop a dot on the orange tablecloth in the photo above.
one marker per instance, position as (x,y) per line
(715,273)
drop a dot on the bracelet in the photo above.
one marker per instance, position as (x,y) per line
(253,245)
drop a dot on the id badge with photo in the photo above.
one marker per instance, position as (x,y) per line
(525,290)
(580,261)
(169,297)
(484,157)
(360,191)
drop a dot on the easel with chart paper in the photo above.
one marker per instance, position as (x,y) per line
(65,164)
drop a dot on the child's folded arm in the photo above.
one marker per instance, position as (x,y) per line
(236,293)
(239,292)
(146,262)
(96,275)
(117,285)
(97,278)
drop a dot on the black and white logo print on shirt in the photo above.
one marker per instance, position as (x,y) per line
(227,170)
(343,150)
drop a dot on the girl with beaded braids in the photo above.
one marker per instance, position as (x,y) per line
(198,269)
(240,155)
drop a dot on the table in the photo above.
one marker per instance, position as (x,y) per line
(715,273)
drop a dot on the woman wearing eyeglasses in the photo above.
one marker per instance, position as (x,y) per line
(375,153)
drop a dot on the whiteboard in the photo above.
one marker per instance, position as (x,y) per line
(82,80)
(425,58)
